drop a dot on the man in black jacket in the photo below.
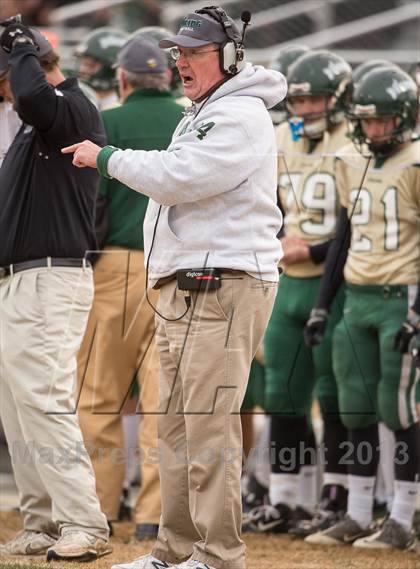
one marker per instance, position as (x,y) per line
(46,290)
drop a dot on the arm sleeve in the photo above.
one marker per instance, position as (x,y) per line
(335,261)
(36,99)
(281,233)
(318,253)
(415,185)
(193,168)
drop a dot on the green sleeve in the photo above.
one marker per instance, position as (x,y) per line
(102,160)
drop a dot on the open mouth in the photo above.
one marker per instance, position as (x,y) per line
(187,80)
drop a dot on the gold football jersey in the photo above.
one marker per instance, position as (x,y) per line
(384,208)
(307,190)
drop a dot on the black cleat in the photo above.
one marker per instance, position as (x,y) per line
(256,495)
(323,519)
(332,509)
(124,511)
(269,519)
(390,536)
(344,532)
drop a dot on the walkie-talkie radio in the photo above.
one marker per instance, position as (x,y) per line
(198,279)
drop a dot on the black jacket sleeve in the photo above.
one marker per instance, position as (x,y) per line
(336,259)
(35,98)
(62,114)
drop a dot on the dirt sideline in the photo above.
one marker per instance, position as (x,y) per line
(275,552)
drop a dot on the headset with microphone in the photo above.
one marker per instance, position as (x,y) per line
(231,52)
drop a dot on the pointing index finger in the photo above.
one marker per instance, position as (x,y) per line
(70,149)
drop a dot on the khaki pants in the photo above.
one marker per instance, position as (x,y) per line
(43,315)
(118,341)
(205,361)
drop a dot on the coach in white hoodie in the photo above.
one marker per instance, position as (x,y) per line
(213,204)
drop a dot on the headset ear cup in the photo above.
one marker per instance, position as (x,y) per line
(228,57)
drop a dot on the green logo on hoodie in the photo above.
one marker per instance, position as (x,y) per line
(203,130)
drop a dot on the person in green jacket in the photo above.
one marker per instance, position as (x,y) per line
(118,345)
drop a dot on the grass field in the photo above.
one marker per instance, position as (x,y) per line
(264,552)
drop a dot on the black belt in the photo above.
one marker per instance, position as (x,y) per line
(38,263)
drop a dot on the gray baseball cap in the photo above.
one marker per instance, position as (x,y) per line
(197,30)
(43,44)
(142,55)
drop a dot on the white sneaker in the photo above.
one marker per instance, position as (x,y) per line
(76,544)
(27,542)
(193,564)
(144,562)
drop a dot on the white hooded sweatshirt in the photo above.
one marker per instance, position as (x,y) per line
(216,182)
